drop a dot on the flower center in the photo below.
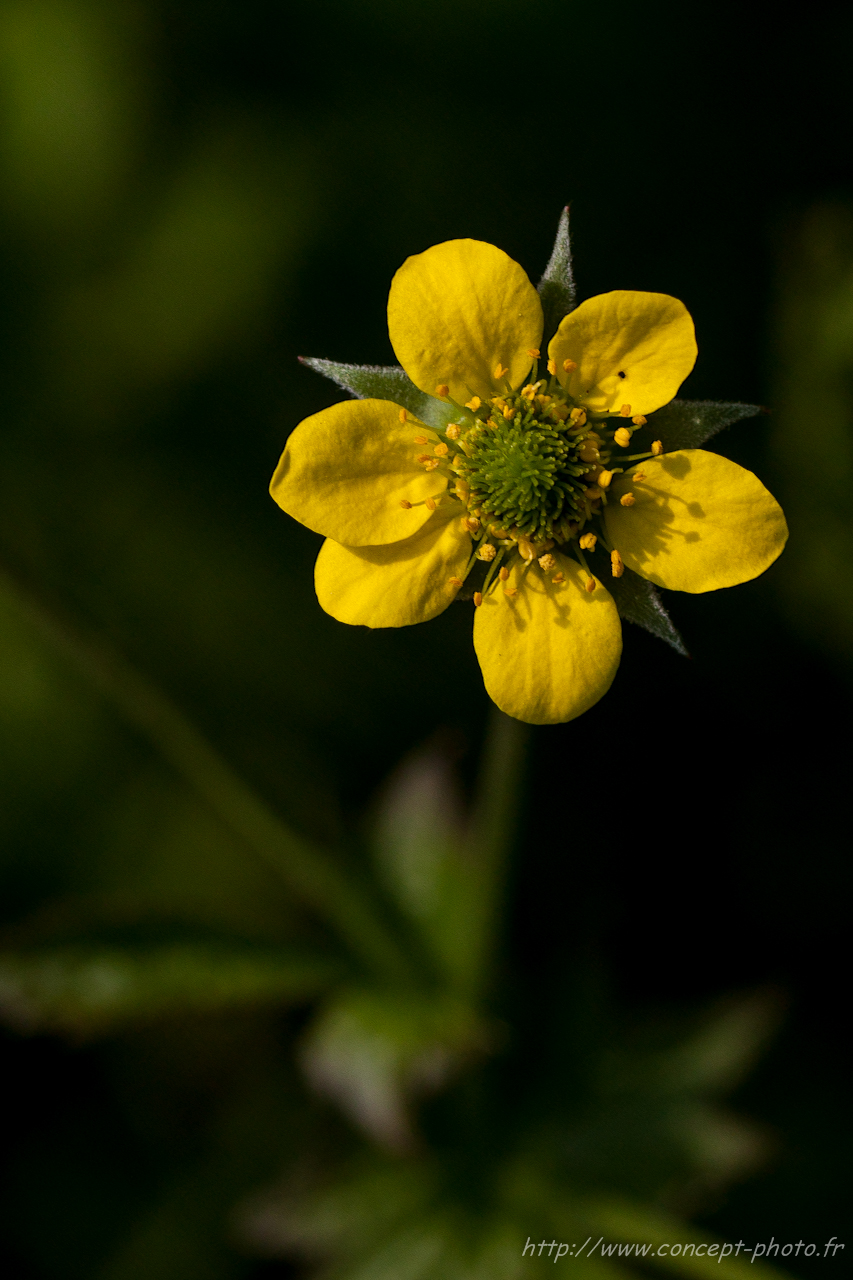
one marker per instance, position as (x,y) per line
(523,465)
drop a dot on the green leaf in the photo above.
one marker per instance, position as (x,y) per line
(557,286)
(639,602)
(92,988)
(687,424)
(386,382)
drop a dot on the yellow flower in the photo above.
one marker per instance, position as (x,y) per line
(529,468)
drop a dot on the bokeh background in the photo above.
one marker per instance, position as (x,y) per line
(193,194)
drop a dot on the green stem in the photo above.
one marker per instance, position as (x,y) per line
(307,869)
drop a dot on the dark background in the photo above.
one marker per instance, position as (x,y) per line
(193,195)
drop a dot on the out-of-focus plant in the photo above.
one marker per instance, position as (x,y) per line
(469,1148)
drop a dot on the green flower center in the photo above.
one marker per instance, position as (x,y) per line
(523,466)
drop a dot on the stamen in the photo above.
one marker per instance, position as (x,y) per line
(558,578)
(627,500)
(440,450)
(578,415)
(529,391)
(508,411)
(478,599)
(569,366)
(526,550)
(625,411)
(510,591)
(534,353)
(504,574)
(471,524)
(592,492)
(657,448)
(429,503)
(442,389)
(429,464)
(500,371)
(617,568)
(589,585)
(486,551)
(604,478)
(407,506)
(403,415)
(421,439)
(462,490)
(454,581)
(638,420)
(473,404)
(551,367)
(588,541)
(639,477)
(452,432)
(588,451)
(547,562)
(622,437)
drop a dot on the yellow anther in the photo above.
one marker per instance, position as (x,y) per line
(639,477)
(500,371)
(504,574)
(617,568)
(526,549)
(478,599)
(421,440)
(533,352)
(627,500)
(604,478)
(638,420)
(625,411)
(462,490)
(429,503)
(473,404)
(452,432)
(529,391)
(587,452)
(543,400)
(569,366)
(430,464)
(407,506)
(471,523)
(592,492)
(622,437)
(440,450)
(547,562)
(577,413)
(588,541)
(589,585)
(657,448)
(508,411)
(455,582)
(403,415)
(510,591)
(558,578)
(486,551)
(442,389)
(552,367)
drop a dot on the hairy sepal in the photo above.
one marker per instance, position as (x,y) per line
(385,382)
(638,601)
(687,424)
(557,286)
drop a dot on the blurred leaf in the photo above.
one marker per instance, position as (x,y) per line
(70,108)
(386,382)
(639,602)
(813,423)
(687,424)
(557,286)
(373,1051)
(90,989)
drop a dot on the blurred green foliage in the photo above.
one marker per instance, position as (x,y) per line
(219,976)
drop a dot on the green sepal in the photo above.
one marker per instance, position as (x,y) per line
(557,286)
(387,382)
(638,602)
(687,424)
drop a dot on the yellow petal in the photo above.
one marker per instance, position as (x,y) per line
(551,651)
(698,522)
(459,310)
(396,585)
(346,470)
(629,348)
